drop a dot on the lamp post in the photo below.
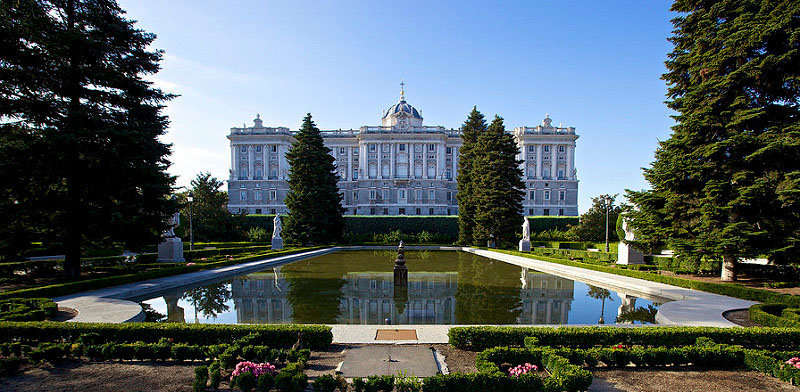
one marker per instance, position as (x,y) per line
(190,199)
(608,204)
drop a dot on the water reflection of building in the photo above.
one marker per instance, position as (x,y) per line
(368,298)
(262,298)
(546,299)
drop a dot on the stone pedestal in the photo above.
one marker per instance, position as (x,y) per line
(277,243)
(627,254)
(170,250)
(524,245)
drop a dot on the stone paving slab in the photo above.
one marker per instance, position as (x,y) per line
(363,361)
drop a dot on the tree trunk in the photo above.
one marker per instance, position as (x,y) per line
(728,268)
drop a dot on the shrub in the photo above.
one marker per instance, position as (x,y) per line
(774,315)
(325,383)
(27,309)
(257,234)
(379,384)
(404,383)
(276,336)
(245,382)
(265,382)
(215,375)
(200,378)
(291,378)
(478,338)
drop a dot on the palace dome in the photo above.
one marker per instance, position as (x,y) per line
(402,107)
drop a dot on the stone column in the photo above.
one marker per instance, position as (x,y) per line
(349,151)
(233,162)
(440,150)
(279,161)
(539,161)
(392,152)
(455,163)
(250,158)
(553,161)
(362,162)
(570,162)
(282,150)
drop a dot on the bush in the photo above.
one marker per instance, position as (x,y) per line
(214,375)
(27,309)
(265,382)
(379,384)
(774,315)
(257,234)
(200,378)
(325,383)
(317,337)
(479,338)
(291,378)
(245,382)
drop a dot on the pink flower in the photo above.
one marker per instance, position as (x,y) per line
(522,369)
(256,369)
(189,264)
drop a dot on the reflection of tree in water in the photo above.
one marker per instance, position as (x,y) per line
(641,314)
(210,301)
(601,294)
(314,294)
(487,293)
(151,315)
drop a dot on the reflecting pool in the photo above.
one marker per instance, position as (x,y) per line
(357,287)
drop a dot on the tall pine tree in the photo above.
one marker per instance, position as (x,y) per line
(72,78)
(725,183)
(474,126)
(314,201)
(497,182)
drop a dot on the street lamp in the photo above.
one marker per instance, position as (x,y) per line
(190,199)
(608,205)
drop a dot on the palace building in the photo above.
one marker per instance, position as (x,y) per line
(400,167)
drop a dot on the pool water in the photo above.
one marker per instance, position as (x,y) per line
(444,287)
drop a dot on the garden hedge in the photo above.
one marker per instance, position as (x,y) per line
(480,338)
(775,315)
(729,289)
(27,309)
(278,336)
(60,289)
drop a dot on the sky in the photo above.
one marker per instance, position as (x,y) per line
(592,65)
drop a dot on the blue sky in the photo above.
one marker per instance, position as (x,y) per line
(592,65)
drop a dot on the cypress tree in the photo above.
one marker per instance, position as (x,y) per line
(73,80)
(314,201)
(475,125)
(497,181)
(725,183)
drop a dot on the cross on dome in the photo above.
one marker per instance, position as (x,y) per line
(402,90)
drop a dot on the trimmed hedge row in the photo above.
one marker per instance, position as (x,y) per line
(729,289)
(775,315)
(585,256)
(60,289)
(480,338)
(197,254)
(27,309)
(277,336)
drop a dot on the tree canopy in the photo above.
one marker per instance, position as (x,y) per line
(314,201)
(75,103)
(725,183)
(473,126)
(592,225)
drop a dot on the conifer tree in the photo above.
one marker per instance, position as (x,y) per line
(497,181)
(314,201)
(72,82)
(475,125)
(725,183)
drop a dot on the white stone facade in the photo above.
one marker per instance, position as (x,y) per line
(401,167)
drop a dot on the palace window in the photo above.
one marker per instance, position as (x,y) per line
(560,212)
(431,171)
(448,174)
(430,212)
(419,195)
(401,211)
(385,147)
(546,212)
(355,174)
(373,170)
(431,195)
(449,150)
(243,149)
(372,211)
(372,194)
(449,196)
(385,212)
(273,195)
(546,148)
(401,194)
(259,176)
(431,147)
(531,148)
(547,195)
(561,149)
(274,147)
(372,147)
(561,195)
(386,195)
(258,148)
(533,195)
(355,195)
(401,147)
(560,173)
(385,171)
(257,195)
(243,196)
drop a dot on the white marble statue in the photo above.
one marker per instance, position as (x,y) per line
(525,242)
(277,227)
(626,253)
(170,249)
(174,221)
